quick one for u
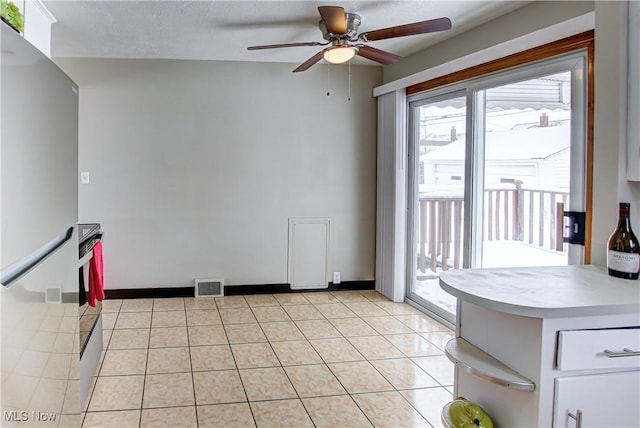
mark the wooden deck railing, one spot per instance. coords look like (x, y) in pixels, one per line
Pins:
(515, 213)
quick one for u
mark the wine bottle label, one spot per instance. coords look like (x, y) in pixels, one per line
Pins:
(623, 262)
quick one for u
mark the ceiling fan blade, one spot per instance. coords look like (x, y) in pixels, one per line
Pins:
(285, 45)
(334, 19)
(378, 55)
(423, 27)
(308, 63)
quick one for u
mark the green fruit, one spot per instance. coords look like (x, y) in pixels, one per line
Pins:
(465, 414)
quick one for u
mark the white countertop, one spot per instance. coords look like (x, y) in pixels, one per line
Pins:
(545, 292)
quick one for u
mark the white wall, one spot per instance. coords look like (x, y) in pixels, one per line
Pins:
(197, 166)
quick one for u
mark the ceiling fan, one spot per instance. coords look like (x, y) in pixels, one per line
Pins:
(340, 30)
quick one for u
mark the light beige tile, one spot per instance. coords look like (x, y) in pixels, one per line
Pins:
(366, 309)
(65, 342)
(360, 376)
(296, 352)
(70, 420)
(375, 347)
(204, 303)
(218, 387)
(236, 415)
(387, 325)
(108, 321)
(117, 393)
(115, 419)
(261, 300)
(267, 384)
(429, 402)
(207, 358)
(237, 316)
(291, 299)
(231, 302)
(168, 304)
(252, 355)
(133, 320)
(336, 411)
(168, 319)
(165, 390)
(317, 329)
(168, 360)
(335, 310)
(349, 296)
(281, 330)
(124, 362)
(303, 312)
(413, 345)
(404, 374)
(280, 413)
(270, 314)
(398, 308)
(244, 333)
(439, 338)
(106, 337)
(373, 296)
(336, 350)
(389, 409)
(184, 417)
(168, 337)
(353, 327)
(201, 317)
(136, 305)
(320, 297)
(133, 338)
(314, 380)
(111, 305)
(207, 335)
(421, 323)
(438, 367)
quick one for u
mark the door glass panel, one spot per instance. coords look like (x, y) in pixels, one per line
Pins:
(437, 189)
(527, 140)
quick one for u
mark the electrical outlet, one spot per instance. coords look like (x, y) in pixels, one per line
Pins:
(85, 178)
(336, 277)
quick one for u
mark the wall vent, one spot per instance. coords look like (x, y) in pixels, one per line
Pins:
(209, 287)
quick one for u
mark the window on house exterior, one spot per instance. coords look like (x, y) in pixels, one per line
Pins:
(499, 188)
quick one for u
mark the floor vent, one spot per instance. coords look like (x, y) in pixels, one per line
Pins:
(209, 287)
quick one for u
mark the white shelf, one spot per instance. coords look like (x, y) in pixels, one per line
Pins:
(478, 363)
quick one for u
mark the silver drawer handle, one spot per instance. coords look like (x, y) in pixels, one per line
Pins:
(577, 417)
(626, 352)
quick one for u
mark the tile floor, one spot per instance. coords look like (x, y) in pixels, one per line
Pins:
(324, 359)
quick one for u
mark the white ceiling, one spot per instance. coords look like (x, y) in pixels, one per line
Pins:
(222, 30)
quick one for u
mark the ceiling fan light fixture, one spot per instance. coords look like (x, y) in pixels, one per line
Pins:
(339, 54)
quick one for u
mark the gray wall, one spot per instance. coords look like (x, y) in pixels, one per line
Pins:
(197, 166)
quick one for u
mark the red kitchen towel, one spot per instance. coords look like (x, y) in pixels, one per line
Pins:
(96, 277)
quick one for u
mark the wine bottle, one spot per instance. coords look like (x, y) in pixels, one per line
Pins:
(623, 257)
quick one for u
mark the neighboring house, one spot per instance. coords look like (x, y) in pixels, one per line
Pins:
(539, 157)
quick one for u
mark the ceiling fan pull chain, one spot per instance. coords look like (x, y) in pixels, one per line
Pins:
(328, 78)
(349, 96)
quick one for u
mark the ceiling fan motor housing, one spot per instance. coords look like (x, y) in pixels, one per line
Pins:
(353, 21)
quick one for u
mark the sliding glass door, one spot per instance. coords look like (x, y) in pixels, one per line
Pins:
(494, 164)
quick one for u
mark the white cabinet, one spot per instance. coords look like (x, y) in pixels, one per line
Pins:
(601, 400)
(531, 342)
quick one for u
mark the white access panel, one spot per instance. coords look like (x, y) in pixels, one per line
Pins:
(308, 253)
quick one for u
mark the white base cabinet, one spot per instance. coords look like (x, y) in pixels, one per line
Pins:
(535, 346)
(601, 400)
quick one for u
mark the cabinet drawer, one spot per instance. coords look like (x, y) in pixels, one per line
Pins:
(585, 349)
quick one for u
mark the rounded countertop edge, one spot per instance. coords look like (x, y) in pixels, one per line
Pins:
(537, 310)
